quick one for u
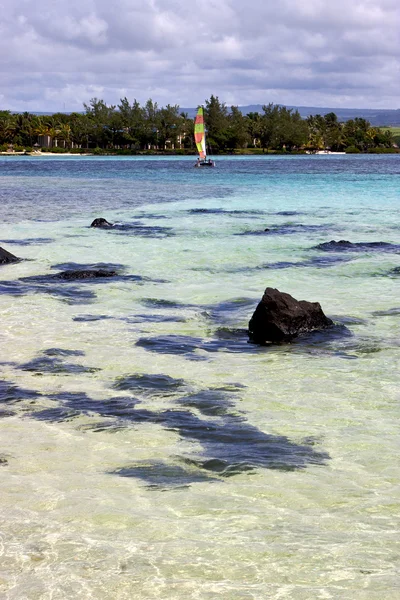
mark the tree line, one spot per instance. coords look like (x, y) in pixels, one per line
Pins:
(135, 127)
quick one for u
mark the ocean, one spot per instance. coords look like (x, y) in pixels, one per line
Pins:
(147, 450)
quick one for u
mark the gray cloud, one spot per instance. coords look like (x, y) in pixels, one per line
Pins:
(56, 54)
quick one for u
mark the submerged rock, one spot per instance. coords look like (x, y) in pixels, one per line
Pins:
(6, 257)
(279, 317)
(334, 246)
(84, 274)
(101, 223)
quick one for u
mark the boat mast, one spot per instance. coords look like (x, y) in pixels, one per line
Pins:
(205, 145)
(199, 133)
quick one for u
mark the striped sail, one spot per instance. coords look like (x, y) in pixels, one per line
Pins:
(199, 133)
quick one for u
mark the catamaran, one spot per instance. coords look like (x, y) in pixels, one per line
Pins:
(200, 139)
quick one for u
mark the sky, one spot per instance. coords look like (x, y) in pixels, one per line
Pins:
(56, 55)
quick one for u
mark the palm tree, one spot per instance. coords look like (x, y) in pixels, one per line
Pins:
(64, 134)
(7, 127)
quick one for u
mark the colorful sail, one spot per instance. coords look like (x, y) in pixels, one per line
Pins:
(199, 133)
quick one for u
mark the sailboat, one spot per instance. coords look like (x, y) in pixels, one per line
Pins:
(200, 139)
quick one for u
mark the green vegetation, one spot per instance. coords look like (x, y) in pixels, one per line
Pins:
(132, 128)
(395, 132)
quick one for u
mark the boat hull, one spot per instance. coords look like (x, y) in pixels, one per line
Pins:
(204, 164)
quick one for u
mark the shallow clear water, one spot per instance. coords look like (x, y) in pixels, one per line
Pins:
(148, 451)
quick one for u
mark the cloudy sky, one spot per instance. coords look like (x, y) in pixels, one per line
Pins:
(57, 54)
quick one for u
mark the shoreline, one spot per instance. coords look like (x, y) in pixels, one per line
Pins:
(38, 154)
(250, 152)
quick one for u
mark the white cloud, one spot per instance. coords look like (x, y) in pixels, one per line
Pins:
(311, 52)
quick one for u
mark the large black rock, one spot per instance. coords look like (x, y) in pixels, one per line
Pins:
(6, 257)
(279, 317)
(101, 223)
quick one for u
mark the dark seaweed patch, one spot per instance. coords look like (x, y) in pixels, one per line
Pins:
(337, 341)
(108, 426)
(289, 228)
(231, 387)
(184, 345)
(230, 446)
(320, 262)
(162, 475)
(289, 213)
(11, 393)
(206, 211)
(56, 366)
(29, 241)
(94, 271)
(316, 261)
(90, 318)
(161, 303)
(321, 336)
(68, 293)
(150, 384)
(221, 211)
(254, 232)
(237, 446)
(63, 284)
(155, 319)
(278, 265)
(138, 229)
(229, 340)
(57, 414)
(390, 312)
(230, 310)
(325, 261)
(121, 409)
(63, 352)
(211, 403)
(223, 339)
(151, 216)
(72, 266)
(286, 229)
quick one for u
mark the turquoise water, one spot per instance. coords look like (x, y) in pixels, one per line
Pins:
(148, 451)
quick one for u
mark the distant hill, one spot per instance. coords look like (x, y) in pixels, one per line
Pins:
(376, 116)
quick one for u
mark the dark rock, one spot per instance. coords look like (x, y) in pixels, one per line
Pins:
(279, 317)
(333, 245)
(6, 257)
(84, 274)
(345, 245)
(101, 223)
